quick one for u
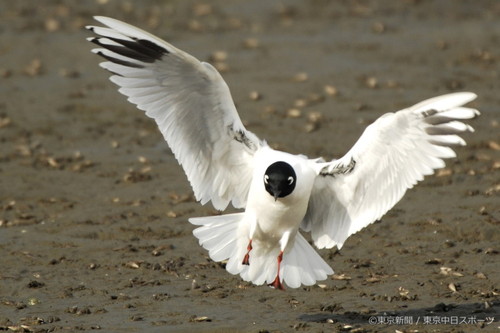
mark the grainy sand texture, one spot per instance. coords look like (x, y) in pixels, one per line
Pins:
(93, 206)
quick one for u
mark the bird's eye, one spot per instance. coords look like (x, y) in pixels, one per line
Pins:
(290, 180)
(266, 179)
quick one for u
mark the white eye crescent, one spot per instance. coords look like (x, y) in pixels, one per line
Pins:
(290, 180)
(266, 179)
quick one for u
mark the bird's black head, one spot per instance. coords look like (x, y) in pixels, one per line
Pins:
(280, 179)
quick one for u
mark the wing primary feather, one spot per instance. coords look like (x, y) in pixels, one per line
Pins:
(132, 49)
(453, 127)
(119, 61)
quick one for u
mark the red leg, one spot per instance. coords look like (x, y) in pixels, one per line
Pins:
(276, 284)
(246, 259)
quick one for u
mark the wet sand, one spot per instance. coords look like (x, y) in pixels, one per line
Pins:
(94, 207)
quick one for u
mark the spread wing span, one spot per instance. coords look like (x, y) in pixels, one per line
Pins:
(391, 156)
(191, 104)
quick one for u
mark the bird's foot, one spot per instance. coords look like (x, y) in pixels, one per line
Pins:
(246, 259)
(276, 284)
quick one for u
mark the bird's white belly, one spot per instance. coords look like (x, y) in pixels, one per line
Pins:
(276, 217)
(272, 219)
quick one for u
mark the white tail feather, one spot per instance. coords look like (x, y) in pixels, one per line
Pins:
(226, 238)
(303, 265)
(218, 234)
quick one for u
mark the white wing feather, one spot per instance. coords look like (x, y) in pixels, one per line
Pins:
(391, 156)
(191, 104)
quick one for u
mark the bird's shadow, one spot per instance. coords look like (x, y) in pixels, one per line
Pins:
(469, 312)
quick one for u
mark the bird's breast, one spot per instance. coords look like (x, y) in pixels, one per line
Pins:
(277, 216)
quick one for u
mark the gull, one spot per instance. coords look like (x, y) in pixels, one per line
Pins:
(280, 193)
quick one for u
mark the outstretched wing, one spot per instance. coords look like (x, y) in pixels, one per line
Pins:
(191, 104)
(391, 156)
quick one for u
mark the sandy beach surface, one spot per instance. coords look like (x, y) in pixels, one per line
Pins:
(93, 206)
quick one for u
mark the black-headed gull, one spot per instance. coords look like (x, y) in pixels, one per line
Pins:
(280, 193)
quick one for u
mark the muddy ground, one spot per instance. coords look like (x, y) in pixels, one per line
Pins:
(94, 208)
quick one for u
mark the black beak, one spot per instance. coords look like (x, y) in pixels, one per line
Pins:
(276, 194)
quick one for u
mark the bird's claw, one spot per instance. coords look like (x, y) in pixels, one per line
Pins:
(276, 284)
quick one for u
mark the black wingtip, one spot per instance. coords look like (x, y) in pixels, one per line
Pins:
(119, 61)
(94, 40)
(138, 49)
(143, 50)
